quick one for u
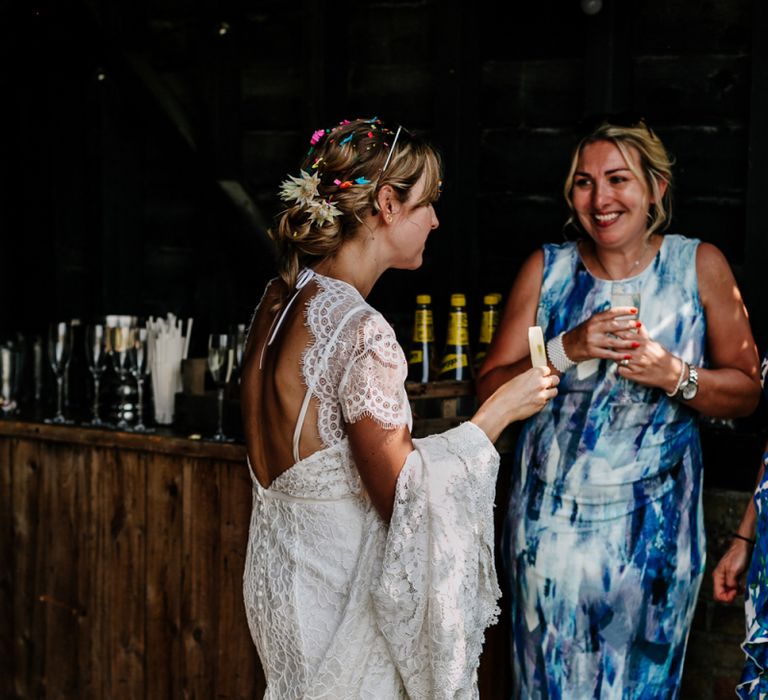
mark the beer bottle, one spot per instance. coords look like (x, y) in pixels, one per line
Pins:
(488, 325)
(422, 356)
(455, 364)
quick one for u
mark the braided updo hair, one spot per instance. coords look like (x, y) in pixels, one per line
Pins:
(348, 161)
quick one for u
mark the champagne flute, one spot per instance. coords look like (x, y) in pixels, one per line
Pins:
(96, 355)
(59, 354)
(119, 338)
(138, 366)
(240, 336)
(221, 360)
(625, 294)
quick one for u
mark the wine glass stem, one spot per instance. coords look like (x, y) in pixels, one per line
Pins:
(140, 399)
(221, 411)
(96, 398)
(59, 397)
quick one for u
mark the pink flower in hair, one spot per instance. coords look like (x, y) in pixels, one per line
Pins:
(316, 136)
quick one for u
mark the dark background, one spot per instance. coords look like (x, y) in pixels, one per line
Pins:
(142, 141)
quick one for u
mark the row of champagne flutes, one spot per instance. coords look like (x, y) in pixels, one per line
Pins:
(125, 347)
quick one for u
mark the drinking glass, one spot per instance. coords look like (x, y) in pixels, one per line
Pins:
(138, 366)
(221, 360)
(240, 335)
(59, 354)
(96, 355)
(625, 294)
(119, 338)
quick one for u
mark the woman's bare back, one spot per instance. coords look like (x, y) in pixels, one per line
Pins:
(272, 395)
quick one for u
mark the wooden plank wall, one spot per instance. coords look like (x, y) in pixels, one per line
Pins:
(148, 106)
(122, 574)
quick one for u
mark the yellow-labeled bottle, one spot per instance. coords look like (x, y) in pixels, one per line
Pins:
(421, 359)
(455, 363)
(488, 325)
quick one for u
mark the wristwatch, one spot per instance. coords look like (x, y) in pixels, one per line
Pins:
(690, 387)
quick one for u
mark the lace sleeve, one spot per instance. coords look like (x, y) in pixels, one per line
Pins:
(373, 383)
(437, 592)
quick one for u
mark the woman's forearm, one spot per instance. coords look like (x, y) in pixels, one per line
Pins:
(725, 393)
(489, 381)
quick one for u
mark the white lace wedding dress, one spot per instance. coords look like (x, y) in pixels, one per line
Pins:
(340, 605)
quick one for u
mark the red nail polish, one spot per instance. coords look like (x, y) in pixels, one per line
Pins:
(635, 345)
(633, 310)
(627, 357)
(639, 324)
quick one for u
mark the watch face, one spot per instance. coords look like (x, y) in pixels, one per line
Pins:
(689, 391)
(691, 386)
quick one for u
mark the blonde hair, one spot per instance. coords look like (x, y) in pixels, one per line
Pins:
(349, 160)
(655, 168)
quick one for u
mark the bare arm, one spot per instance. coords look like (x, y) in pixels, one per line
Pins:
(730, 386)
(508, 355)
(727, 575)
(379, 456)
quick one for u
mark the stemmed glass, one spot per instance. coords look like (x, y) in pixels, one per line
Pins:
(59, 354)
(625, 294)
(221, 360)
(119, 339)
(96, 355)
(240, 334)
(138, 365)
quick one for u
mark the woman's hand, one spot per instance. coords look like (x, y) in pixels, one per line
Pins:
(602, 335)
(518, 398)
(649, 363)
(729, 571)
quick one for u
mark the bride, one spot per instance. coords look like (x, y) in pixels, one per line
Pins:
(369, 571)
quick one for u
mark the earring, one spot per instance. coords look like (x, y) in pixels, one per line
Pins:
(389, 218)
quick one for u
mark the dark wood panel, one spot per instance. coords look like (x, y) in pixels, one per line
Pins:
(59, 566)
(200, 539)
(125, 573)
(532, 92)
(6, 573)
(691, 89)
(164, 578)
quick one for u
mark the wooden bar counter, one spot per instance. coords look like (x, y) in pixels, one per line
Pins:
(121, 561)
(122, 566)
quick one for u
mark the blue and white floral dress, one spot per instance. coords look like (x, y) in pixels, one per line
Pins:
(604, 539)
(754, 677)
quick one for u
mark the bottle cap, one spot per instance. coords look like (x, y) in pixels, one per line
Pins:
(494, 298)
(423, 299)
(458, 300)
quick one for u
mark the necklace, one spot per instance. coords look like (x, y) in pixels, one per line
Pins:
(632, 267)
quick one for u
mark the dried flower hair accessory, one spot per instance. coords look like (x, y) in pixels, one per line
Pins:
(301, 190)
(322, 212)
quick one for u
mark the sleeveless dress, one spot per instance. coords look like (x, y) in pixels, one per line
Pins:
(754, 677)
(604, 540)
(339, 605)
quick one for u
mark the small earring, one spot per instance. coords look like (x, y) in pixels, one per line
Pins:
(389, 218)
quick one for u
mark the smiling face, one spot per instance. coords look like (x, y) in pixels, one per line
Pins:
(610, 200)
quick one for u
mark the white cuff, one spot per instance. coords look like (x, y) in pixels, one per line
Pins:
(557, 355)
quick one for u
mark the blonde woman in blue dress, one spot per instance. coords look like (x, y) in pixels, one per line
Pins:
(369, 571)
(604, 539)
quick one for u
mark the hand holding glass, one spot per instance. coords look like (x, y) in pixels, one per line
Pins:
(624, 294)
